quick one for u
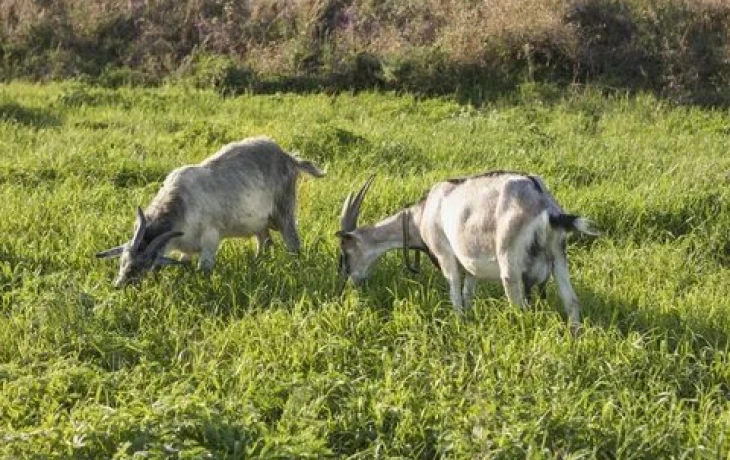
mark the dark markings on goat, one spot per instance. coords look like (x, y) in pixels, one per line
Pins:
(536, 183)
(564, 221)
(534, 249)
(528, 283)
(533, 252)
(162, 216)
(496, 172)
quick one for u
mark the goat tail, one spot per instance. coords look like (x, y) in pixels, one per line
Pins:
(309, 168)
(571, 222)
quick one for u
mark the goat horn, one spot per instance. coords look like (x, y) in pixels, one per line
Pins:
(139, 231)
(345, 212)
(353, 211)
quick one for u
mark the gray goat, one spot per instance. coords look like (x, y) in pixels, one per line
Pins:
(244, 189)
(497, 226)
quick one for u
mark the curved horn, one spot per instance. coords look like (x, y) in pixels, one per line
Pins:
(344, 213)
(139, 230)
(351, 207)
(160, 241)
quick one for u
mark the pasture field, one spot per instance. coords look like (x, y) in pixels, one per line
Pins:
(264, 359)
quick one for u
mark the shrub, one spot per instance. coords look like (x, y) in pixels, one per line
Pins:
(679, 48)
(221, 73)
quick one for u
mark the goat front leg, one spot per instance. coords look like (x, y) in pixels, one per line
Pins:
(511, 274)
(470, 284)
(453, 273)
(208, 248)
(511, 254)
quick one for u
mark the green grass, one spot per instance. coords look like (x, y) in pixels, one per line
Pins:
(264, 359)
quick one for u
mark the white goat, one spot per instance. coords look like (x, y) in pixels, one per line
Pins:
(244, 189)
(498, 226)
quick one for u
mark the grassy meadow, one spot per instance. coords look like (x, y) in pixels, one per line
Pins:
(264, 359)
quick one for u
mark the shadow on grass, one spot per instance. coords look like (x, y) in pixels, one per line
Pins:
(19, 263)
(463, 85)
(26, 116)
(393, 283)
(472, 85)
(273, 288)
(29, 178)
(136, 176)
(242, 282)
(611, 312)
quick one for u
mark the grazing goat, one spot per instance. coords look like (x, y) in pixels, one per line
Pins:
(244, 189)
(498, 226)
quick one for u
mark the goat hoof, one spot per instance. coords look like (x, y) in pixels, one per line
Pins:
(576, 329)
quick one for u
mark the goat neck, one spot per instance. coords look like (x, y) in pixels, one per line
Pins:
(387, 234)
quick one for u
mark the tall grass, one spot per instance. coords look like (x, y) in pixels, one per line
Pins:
(677, 48)
(265, 359)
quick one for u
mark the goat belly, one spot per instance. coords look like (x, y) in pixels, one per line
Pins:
(184, 245)
(481, 267)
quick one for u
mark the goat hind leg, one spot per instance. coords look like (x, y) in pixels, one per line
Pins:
(284, 219)
(566, 292)
(209, 247)
(263, 242)
(290, 235)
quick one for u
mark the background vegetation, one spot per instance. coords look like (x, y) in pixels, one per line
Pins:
(264, 359)
(677, 48)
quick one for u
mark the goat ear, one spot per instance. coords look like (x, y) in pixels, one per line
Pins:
(113, 252)
(347, 237)
(140, 227)
(343, 235)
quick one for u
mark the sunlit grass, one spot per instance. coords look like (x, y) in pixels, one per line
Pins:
(264, 358)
